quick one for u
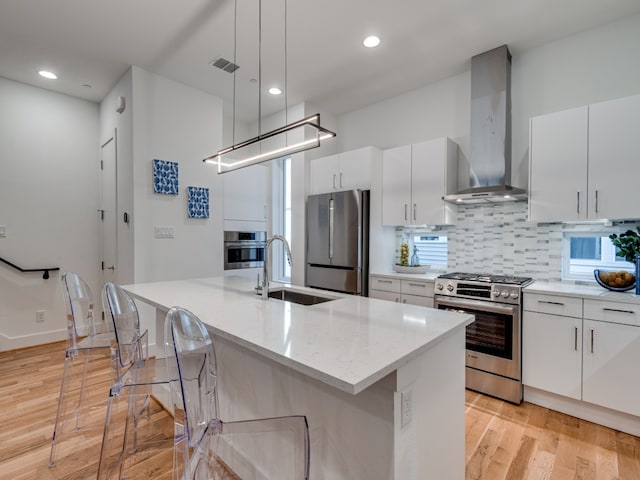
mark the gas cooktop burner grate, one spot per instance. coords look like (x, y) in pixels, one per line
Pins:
(487, 278)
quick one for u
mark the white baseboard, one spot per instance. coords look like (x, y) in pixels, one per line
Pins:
(23, 341)
(587, 411)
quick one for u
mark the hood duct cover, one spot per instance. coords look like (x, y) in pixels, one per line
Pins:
(490, 163)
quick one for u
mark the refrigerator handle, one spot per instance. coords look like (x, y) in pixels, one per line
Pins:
(331, 228)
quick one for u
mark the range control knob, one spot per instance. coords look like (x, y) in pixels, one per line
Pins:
(450, 288)
(439, 286)
(496, 293)
(505, 293)
(514, 295)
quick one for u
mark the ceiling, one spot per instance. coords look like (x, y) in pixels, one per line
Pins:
(91, 43)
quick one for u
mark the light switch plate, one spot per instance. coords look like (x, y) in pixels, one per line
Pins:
(164, 231)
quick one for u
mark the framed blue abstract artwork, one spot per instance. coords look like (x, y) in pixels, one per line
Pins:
(198, 202)
(165, 177)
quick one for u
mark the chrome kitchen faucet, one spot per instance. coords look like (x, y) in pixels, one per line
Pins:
(264, 289)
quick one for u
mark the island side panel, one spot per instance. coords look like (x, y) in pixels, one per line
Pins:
(352, 436)
(431, 444)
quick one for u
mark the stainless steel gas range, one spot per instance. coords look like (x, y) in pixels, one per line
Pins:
(493, 341)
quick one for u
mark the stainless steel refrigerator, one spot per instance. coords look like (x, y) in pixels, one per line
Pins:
(338, 241)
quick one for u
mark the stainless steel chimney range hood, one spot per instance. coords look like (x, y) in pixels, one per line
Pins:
(490, 162)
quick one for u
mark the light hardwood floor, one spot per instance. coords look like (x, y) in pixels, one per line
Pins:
(503, 441)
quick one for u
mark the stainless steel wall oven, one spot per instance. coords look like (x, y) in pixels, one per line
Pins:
(244, 249)
(494, 339)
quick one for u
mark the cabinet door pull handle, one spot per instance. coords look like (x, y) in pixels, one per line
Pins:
(575, 338)
(404, 300)
(551, 303)
(578, 203)
(592, 340)
(397, 300)
(384, 281)
(421, 285)
(631, 312)
(334, 181)
(596, 201)
(415, 211)
(405, 211)
(341, 180)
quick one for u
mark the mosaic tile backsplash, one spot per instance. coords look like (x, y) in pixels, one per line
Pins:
(497, 238)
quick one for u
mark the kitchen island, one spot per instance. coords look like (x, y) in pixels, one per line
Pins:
(381, 384)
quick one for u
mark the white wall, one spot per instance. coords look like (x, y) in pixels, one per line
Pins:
(178, 123)
(596, 65)
(120, 125)
(48, 201)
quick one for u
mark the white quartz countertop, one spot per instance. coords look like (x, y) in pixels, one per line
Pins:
(349, 343)
(594, 291)
(428, 276)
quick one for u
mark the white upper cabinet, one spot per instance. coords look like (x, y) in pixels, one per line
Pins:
(414, 180)
(558, 166)
(614, 158)
(584, 162)
(342, 171)
(245, 194)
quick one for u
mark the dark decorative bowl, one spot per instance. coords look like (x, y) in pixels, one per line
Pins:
(620, 288)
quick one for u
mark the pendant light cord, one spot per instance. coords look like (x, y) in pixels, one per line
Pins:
(260, 67)
(235, 61)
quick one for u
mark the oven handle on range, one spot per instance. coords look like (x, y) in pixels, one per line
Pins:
(478, 305)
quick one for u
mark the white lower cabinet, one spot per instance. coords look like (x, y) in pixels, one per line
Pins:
(552, 353)
(413, 292)
(611, 355)
(590, 359)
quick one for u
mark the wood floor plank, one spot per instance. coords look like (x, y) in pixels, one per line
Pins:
(503, 441)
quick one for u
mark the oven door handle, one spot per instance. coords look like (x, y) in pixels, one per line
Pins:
(478, 305)
(244, 244)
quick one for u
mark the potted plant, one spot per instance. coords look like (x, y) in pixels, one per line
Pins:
(628, 244)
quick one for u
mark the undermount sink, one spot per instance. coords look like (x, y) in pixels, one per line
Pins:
(300, 298)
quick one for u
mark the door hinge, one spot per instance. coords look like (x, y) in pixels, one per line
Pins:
(102, 265)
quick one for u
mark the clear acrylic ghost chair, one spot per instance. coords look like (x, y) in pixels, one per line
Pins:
(129, 429)
(206, 447)
(86, 338)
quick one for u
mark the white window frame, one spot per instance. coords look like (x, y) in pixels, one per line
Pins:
(583, 269)
(278, 258)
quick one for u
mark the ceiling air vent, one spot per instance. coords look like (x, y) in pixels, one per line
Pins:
(224, 64)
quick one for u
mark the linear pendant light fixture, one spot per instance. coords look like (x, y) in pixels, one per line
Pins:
(291, 138)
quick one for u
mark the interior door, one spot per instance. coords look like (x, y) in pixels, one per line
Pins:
(108, 210)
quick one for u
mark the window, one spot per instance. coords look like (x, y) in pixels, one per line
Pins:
(583, 252)
(281, 218)
(432, 250)
(286, 213)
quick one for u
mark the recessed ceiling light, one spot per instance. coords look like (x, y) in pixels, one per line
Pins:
(47, 74)
(371, 41)
(275, 91)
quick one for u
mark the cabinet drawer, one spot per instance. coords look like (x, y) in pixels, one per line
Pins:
(554, 305)
(416, 287)
(383, 295)
(384, 283)
(613, 312)
(417, 300)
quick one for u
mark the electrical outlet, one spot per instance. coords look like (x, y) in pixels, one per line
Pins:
(406, 409)
(39, 316)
